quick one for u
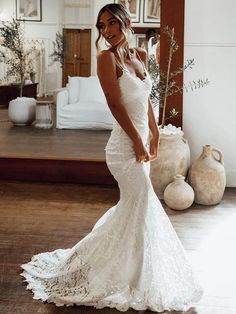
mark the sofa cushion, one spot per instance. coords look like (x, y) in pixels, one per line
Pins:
(85, 115)
(91, 90)
(91, 105)
(73, 89)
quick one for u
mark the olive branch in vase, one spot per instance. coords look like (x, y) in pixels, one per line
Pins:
(167, 84)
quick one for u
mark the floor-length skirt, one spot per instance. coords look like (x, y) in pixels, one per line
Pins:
(132, 258)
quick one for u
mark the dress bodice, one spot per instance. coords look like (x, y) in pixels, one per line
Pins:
(134, 97)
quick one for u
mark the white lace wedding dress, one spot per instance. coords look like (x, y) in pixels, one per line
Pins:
(132, 258)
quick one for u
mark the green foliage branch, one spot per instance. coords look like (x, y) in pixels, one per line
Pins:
(164, 82)
(58, 49)
(13, 51)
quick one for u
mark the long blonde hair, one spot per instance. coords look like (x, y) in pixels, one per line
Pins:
(124, 19)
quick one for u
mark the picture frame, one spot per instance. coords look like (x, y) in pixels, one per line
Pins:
(151, 11)
(29, 10)
(141, 41)
(133, 7)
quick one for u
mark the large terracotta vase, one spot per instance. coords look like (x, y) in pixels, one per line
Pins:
(173, 158)
(207, 176)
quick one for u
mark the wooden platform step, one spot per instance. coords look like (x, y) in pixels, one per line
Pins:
(51, 170)
(53, 155)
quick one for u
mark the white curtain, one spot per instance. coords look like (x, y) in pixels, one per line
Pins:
(38, 57)
(39, 67)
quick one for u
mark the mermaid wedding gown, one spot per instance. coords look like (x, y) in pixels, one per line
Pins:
(132, 257)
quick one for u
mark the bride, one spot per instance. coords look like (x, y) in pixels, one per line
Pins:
(132, 258)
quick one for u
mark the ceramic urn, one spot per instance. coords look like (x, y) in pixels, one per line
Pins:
(207, 176)
(173, 158)
(178, 195)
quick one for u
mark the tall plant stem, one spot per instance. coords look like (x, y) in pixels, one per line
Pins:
(21, 85)
(21, 89)
(167, 77)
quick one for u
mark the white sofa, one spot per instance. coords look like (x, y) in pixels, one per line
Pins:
(82, 105)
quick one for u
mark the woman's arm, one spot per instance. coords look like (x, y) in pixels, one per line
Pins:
(151, 117)
(155, 139)
(158, 53)
(106, 70)
(152, 121)
(154, 142)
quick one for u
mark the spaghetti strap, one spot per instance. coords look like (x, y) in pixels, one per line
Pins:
(120, 66)
(143, 64)
(124, 68)
(137, 54)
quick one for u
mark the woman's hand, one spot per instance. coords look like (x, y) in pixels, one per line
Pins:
(154, 144)
(140, 152)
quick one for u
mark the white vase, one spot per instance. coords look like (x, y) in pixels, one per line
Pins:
(179, 195)
(21, 111)
(173, 158)
(207, 176)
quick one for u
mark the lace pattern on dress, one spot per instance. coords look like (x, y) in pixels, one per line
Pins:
(132, 258)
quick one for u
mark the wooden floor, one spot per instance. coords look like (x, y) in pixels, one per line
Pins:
(57, 144)
(28, 153)
(38, 217)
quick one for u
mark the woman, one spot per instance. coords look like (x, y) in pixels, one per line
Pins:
(132, 257)
(153, 44)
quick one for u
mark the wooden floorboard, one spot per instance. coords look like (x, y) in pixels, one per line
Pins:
(39, 217)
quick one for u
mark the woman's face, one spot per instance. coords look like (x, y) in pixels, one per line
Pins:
(109, 28)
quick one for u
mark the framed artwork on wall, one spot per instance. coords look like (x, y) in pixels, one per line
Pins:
(151, 11)
(141, 41)
(29, 10)
(133, 7)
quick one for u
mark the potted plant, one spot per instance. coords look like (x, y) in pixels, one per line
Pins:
(174, 153)
(17, 58)
(57, 54)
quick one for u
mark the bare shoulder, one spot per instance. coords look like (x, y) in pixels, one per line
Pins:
(106, 65)
(142, 53)
(105, 56)
(106, 71)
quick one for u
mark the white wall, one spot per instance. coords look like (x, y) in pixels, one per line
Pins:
(52, 19)
(210, 113)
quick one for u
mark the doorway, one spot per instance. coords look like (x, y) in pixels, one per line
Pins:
(77, 59)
